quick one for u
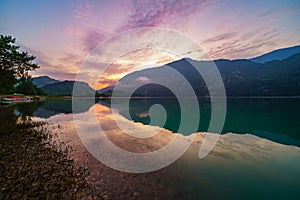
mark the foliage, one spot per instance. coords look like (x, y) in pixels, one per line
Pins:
(26, 87)
(7, 81)
(39, 91)
(14, 64)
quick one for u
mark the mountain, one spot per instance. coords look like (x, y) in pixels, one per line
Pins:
(66, 88)
(43, 80)
(62, 88)
(241, 78)
(107, 91)
(279, 54)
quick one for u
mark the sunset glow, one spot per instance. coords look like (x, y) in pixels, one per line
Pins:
(61, 34)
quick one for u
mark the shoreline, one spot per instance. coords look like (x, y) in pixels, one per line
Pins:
(34, 165)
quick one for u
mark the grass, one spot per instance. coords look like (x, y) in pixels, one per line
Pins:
(32, 165)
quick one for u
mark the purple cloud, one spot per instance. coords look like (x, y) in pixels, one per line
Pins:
(62, 75)
(92, 38)
(247, 45)
(82, 10)
(152, 13)
(220, 37)
(143, 79)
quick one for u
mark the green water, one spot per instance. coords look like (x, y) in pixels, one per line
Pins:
(276, 119)
(260, 159)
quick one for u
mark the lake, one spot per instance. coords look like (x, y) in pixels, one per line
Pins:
(256, 157)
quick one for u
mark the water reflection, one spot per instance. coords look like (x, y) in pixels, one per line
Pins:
(273, 119)
(49, 108)
(241, 166)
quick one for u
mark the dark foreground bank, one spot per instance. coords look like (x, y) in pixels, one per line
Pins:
(33, 166)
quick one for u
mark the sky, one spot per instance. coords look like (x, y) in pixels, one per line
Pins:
(63, 34)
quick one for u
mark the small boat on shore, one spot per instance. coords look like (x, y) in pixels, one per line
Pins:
(40, 99)
(9, 100)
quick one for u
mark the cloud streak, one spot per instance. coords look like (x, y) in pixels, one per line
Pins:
(221, 37)
(92, 38)
(246, 45)
(83, 10)
(227, 30)
(151, 13)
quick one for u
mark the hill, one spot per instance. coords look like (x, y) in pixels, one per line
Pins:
(65, 88)
(279, 54)
(43, 80)
(107, 91)
(241, 78)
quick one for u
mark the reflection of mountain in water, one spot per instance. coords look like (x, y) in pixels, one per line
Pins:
(278, 138)
(52, 107)
(276, 119)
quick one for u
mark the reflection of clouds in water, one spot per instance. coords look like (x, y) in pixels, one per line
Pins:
(248, 147)
(61, 117)
(142, 115)
(108, 122)
(127, 153)
(119, 137)
(230, 146)
(241, 161)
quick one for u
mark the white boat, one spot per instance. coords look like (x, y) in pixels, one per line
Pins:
(17, 99)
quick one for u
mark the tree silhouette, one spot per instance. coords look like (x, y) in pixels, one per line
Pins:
(14, 64)
(26, 87)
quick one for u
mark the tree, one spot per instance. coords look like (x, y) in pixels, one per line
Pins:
(14, 64)
(26, 87)
(39, 91)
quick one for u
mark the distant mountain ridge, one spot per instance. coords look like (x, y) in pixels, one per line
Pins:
(107, 91)
(273, 73)
(241, 78)
(276, 73)
(43, 80)
(279, 54)
(62, 88)
(65, 88)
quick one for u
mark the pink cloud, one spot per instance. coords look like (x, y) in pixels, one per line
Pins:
(92, 38)
(143, 79)
(220, 37)
(153, 13)
(83, 10)
(246, 45)
(72, 31)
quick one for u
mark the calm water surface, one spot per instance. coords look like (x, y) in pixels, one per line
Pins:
(257, 156)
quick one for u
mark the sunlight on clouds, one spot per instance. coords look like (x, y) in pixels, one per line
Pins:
(224, 29)
(136, 60)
